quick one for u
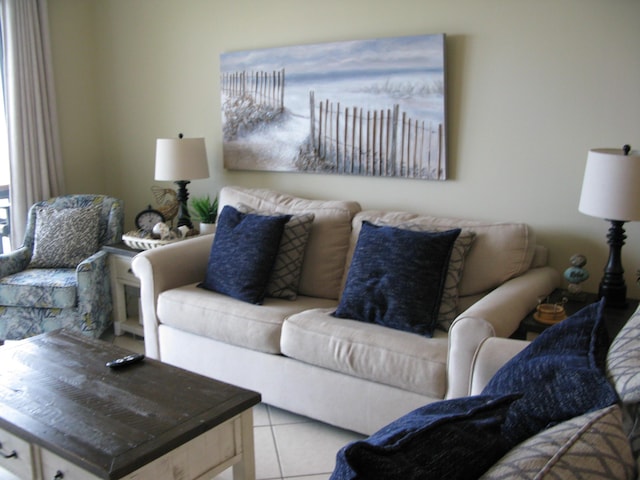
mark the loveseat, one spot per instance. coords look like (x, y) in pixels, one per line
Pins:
(565, 406)
(291, 347)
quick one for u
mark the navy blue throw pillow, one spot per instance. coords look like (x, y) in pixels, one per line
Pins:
(396, 278)
(452, 439)
(243, 253)
(560, 374)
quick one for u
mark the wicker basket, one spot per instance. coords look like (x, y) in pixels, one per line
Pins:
(139, 243)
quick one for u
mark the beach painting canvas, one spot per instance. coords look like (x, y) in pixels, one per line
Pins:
(364, 107)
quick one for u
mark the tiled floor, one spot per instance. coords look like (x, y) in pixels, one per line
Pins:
(287, 446)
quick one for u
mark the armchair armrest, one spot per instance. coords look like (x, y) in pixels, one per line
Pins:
(492, 354)
(164, 268)
(14, 262)
(497, 314)
(91, 273)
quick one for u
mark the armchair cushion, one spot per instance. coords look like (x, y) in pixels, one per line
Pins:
(40, 288)
(64, 237)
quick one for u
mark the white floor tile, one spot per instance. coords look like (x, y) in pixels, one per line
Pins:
(260, 415)
(267, 464)
(309, 448)
(6, 475)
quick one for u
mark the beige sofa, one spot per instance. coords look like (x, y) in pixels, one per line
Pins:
(356, 375)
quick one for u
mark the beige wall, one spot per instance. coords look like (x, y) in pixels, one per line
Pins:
(532, 85)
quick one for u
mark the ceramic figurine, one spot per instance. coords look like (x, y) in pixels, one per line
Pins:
(576, 274)
(162, 230)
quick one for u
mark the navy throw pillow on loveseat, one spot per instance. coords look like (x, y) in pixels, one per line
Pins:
(243, 254)
(453, 439)
(560, 375)
(396, 278)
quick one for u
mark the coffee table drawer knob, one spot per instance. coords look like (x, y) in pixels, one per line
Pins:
(13, 454)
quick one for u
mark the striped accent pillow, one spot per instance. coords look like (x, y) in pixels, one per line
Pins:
(285, 276)
(623, 370)
(591, 446)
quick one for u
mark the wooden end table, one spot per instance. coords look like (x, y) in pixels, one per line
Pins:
(65, 415)
(615, 318)
(121, 276)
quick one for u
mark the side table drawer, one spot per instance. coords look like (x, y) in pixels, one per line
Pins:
(16, 455)
(122, 267)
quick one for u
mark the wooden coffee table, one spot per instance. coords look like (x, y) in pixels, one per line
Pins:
(65, 415)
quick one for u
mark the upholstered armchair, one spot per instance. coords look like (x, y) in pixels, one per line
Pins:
(59, 277)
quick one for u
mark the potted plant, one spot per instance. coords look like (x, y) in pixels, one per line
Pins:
(205, 211)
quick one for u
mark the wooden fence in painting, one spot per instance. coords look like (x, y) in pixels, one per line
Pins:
(378, 142)
(265, 88)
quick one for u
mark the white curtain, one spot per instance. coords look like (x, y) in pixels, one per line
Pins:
(34, 145)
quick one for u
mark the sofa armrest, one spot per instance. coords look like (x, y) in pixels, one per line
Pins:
(497, 314)
(492, 354)
(164, 268)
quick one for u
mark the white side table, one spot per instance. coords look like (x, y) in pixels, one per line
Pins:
(121, 275)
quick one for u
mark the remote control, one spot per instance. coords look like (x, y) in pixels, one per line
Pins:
(124, 361)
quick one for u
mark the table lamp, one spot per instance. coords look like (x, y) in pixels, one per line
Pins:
(181, 160)
(611, 190)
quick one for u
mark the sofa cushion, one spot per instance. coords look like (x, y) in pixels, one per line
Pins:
(393, 357)
(285, 276)
(325, 255)
(65, 237)
(40, 288)
(396, 278)
(243, 254)
(499, 252)
(223, 318)
(591, 446)
(623, 367)
(560, 374)
(453, 440)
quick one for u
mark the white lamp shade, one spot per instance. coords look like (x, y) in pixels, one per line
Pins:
(611, 185)
(181, 159)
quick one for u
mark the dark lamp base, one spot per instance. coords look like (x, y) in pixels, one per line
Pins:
(184, 219)
(612, 286)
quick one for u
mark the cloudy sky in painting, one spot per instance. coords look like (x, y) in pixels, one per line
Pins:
(346, 58)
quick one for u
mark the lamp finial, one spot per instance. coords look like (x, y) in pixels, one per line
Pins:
(626, 149)
(181, 135)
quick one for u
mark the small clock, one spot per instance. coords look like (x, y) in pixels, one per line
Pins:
(146, 219)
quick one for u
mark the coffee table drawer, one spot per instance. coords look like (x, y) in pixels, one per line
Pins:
(209, 453)
(55, 467)
(16, 455)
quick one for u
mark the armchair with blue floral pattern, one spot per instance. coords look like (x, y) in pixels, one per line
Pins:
(35, 300)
